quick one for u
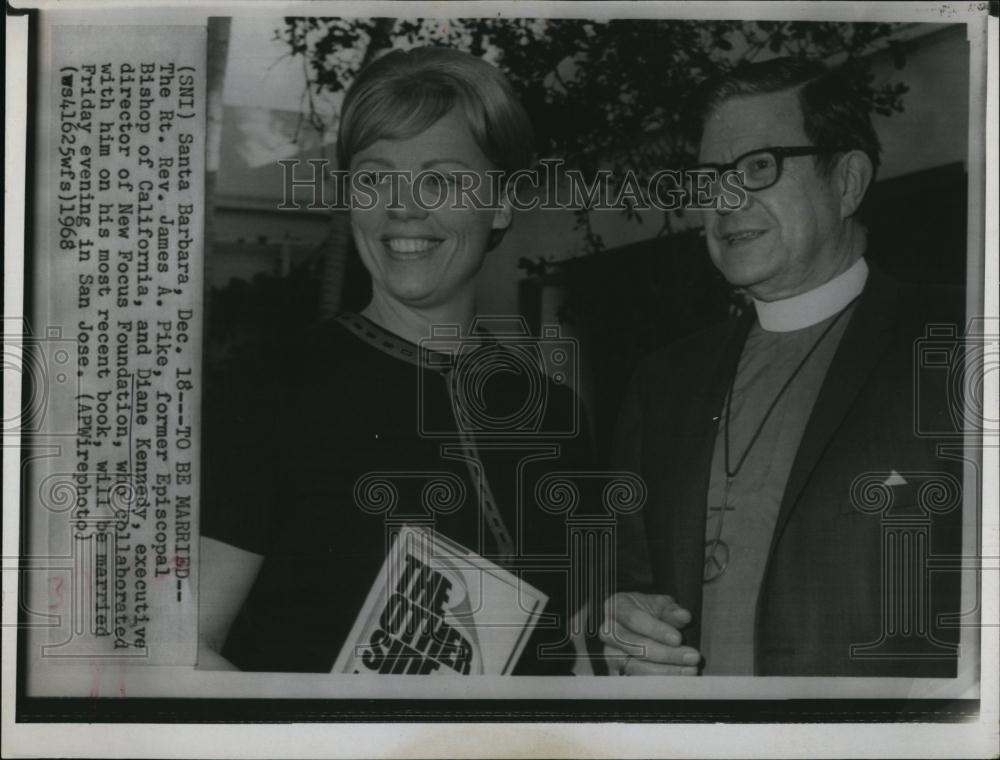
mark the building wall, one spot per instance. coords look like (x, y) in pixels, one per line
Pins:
(933, 129)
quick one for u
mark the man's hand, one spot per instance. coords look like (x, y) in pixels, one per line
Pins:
(642, 636)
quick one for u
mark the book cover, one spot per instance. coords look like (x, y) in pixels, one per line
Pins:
(438, 608)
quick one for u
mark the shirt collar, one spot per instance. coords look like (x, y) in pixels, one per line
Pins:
(814, 306)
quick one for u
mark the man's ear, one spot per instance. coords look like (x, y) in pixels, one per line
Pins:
(854, 174)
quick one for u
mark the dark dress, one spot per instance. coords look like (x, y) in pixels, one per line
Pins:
(289, 433)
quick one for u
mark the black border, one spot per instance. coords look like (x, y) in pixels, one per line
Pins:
(28, 299)
(141, 710)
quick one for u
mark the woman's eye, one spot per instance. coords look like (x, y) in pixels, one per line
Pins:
(372, 177)
(440, 183)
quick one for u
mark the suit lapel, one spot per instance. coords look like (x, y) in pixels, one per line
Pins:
(693, 460)
(863, 343)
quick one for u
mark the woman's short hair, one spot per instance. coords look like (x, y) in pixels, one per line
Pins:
(403, 93)
(834, 114)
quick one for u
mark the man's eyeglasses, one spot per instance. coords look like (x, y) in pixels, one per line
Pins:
(758, 169)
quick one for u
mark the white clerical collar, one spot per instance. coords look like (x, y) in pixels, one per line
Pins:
(815, 306)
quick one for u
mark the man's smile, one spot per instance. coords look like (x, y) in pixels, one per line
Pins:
(740, 237)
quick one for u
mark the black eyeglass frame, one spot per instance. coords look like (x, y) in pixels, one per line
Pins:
(780, 153)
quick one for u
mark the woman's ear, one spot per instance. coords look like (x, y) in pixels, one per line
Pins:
(854, 174)
(504, 215)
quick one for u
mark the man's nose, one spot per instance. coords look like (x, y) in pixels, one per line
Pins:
(723, 209)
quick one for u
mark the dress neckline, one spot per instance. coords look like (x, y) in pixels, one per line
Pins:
(389, 343)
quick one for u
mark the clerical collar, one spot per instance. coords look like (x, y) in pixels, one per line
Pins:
(815, 306)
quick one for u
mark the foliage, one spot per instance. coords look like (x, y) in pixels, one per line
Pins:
(600, 94)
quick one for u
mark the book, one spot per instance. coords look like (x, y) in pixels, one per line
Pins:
(438, 608)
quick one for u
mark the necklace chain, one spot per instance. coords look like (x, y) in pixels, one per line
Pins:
(717, 550)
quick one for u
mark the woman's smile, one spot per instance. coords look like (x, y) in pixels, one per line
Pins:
(409, 248)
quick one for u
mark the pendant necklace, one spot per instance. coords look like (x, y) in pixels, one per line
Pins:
(717, 553)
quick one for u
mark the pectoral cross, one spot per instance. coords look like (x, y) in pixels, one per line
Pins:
(717, 550)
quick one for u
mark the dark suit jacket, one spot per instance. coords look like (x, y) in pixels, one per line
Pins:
(829, 571)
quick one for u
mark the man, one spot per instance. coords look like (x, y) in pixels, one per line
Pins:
(760, 551)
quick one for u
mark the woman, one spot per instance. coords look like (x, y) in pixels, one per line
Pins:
(288, 551)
